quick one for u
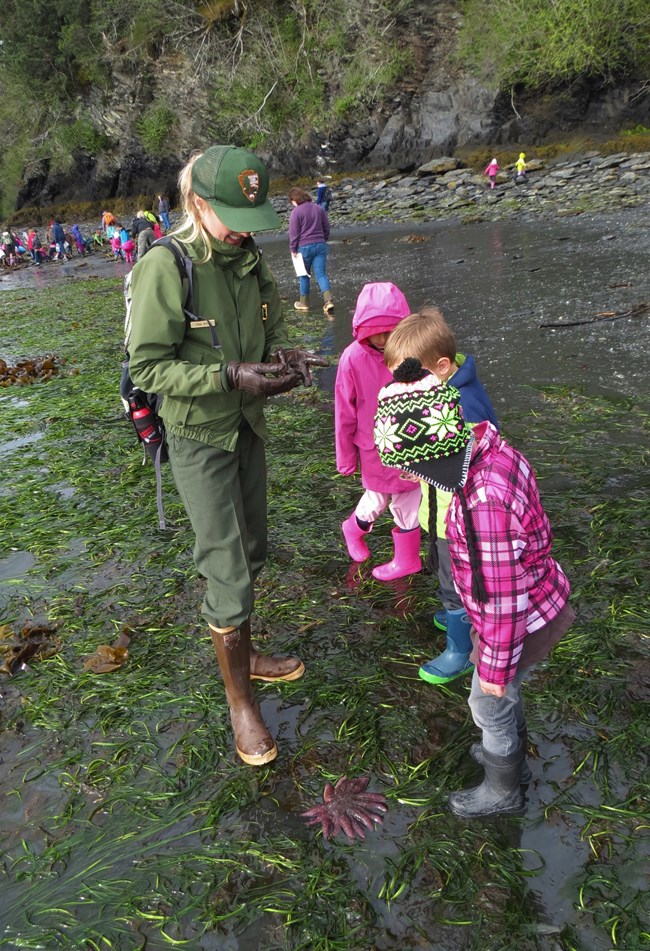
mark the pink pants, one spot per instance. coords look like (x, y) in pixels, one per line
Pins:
(404, 507)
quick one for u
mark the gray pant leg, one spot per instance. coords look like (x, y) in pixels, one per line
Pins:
(500, 718)
(447, 591)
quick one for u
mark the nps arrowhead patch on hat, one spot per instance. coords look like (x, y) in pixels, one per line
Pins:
(250, 183)
(235, 183)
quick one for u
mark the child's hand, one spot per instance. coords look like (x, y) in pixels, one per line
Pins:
(494, 690)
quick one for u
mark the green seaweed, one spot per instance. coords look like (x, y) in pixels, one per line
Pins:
(134, 825)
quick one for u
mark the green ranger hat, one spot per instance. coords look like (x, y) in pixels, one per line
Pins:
(235, 183)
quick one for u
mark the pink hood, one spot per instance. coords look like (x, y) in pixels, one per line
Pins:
(380, 307)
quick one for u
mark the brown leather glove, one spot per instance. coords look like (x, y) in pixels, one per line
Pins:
(299, 361)
(251, 378)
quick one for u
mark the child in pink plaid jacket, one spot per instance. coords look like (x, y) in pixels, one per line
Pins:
(515, 593)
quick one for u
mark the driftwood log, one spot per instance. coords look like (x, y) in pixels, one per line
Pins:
(637, 311)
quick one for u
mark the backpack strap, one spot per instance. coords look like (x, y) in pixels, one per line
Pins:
(162, 525)
(185, 269)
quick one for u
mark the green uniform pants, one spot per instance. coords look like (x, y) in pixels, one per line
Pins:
(224, 494)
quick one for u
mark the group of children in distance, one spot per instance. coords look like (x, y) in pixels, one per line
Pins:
(412, 415)
(493, 168)
(59, 243)
(123, 241)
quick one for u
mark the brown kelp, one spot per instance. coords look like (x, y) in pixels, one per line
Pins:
(28, 370)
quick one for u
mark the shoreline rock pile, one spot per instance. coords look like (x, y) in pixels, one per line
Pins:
(443, 189)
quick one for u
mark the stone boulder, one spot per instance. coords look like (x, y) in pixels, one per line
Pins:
(439, 166)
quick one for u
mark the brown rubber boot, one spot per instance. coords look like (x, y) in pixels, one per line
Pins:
(328, 307)
(303, 303)
(255, 745)
(274, 667)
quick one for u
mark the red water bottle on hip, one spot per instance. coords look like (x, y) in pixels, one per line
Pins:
(145, 422)
(145, 426)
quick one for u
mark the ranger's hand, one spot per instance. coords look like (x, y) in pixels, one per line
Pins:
(300, 361)
(252, 378)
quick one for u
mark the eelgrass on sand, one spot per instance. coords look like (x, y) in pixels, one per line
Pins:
(129, 822)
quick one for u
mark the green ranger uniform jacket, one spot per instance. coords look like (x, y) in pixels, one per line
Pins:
(176, 358)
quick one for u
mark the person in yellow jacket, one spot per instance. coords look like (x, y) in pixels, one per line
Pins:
(520, 165)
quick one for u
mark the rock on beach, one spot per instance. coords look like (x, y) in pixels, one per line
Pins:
(442, 188)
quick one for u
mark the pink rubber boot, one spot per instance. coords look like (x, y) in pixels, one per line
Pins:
(356, 543)
(406, 560)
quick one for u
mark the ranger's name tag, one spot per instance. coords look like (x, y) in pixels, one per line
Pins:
(202, 323)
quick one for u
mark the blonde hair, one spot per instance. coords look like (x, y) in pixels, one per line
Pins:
(191, 228)
(424, 335)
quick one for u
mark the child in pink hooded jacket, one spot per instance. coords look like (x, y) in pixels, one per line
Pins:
(491, 171)
(360, 376)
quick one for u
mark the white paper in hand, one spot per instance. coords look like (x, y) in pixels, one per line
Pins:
(299, 265)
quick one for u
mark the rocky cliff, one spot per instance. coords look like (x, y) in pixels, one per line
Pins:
(435, 108)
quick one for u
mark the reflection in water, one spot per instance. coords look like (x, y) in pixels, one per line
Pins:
(39, 277)
(495, 239)
(497, 282)
(13, 444)
(328, 340)
(95, 265)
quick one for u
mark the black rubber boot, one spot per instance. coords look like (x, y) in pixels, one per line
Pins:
(498, 794)
(476, 753)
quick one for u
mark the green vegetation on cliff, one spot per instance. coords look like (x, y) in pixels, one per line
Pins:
(263, 72)
(116, 78)
(544, 42)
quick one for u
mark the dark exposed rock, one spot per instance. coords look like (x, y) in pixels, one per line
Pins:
(559, 188)
(95, 180)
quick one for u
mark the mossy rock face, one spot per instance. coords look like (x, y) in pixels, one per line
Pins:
(312, 90)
